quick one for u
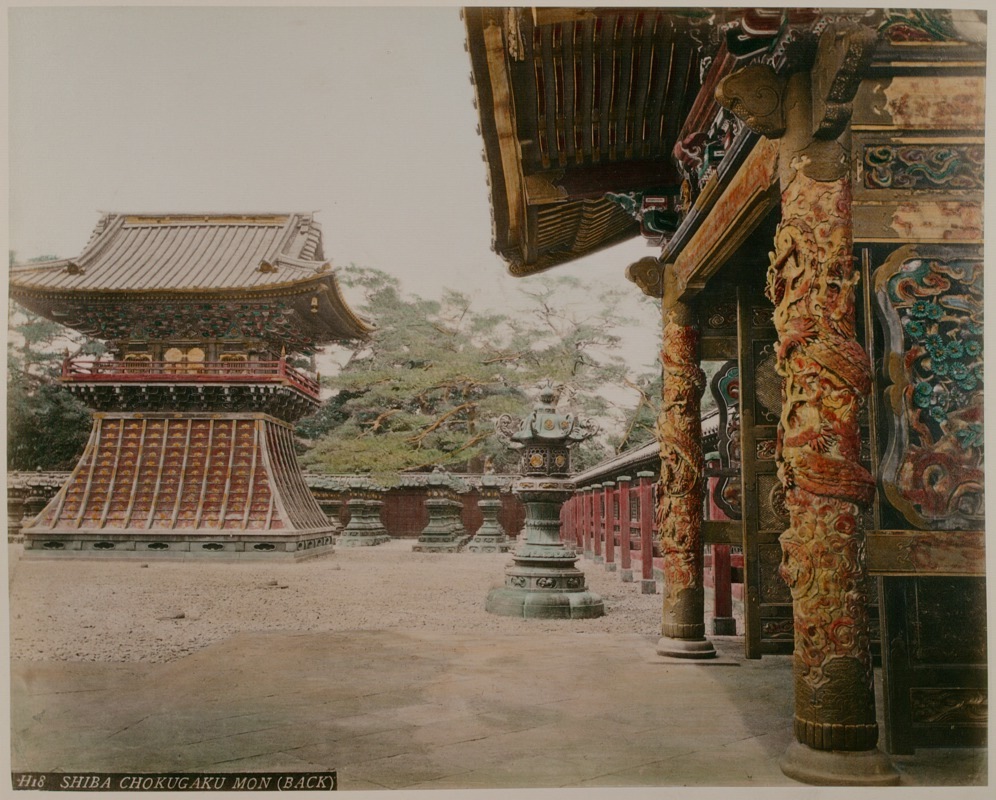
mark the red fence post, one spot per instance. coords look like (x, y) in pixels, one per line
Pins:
(648, 585)
(579, 521)
(576, 521)
(723, 622)
(573, 511)
(567, 534)
(586, 520)
(625, 557)
(597, 521)
(608, 514)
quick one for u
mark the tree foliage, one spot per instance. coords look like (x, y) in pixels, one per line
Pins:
(427, 387)
(46, 426)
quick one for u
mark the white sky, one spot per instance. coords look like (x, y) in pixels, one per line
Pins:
(363, 115)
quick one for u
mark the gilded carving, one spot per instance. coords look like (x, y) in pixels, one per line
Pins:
(679, 507)
(767, 385)
(648, 274)
(748, 197)
(725, 388)
(825, 375)
(777, 629)
(777, 500)
(754, 94)
(760, 316)
(925, 25)
(721, 315)
(765, 450)
(843, 53)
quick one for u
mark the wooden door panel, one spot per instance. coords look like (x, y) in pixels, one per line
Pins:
(767, 601)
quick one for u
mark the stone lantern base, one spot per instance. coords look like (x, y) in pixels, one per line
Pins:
(444, 533)
(488, 543)
(491, 536)
(542, 581)
(545, 603)
(365, 528)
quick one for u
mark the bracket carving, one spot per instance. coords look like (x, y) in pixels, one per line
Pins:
(648, 274)
(755, 94)
(843, 53)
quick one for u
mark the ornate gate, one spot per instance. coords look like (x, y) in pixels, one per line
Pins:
(767, 601)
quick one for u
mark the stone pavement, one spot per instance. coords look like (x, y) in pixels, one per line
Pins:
(428, 710)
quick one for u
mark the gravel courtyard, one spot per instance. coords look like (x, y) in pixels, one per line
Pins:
(114, 611)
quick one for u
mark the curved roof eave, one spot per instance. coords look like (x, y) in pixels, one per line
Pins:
(540, 163)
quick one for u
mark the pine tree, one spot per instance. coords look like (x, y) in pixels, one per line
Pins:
(426, 389)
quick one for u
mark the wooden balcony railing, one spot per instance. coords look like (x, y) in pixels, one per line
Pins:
(137, 371)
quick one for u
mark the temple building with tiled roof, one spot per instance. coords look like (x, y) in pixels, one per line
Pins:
(191, 452)
(261, 277)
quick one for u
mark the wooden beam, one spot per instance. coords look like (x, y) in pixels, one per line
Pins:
(745, 202)
(952, 553)
(593, 181)
(722, 532)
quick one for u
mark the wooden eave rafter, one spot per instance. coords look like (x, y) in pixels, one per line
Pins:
(575, 104)
(330, 321)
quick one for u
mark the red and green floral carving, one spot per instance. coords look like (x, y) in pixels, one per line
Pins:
(679, 507)
(932, 305)
(924, 166)
(826, 376)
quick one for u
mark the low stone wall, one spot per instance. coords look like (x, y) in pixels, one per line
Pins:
(404, 513)
(27, 494)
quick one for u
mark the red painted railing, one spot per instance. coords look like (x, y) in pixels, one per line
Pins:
(612, 522)
(92, 370)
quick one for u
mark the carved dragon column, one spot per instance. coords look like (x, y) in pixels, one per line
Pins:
(826, 376)
(679, 505)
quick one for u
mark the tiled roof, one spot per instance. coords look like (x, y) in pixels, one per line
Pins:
(132, 252)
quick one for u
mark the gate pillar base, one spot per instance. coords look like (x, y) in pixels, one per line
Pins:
(648, 586)
(838, 767)
(685, 648)
(724, 626)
